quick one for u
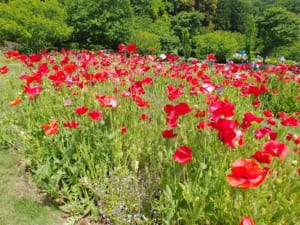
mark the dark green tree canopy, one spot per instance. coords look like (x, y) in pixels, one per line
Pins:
(99, 23)
(277, 27)
(192, 21)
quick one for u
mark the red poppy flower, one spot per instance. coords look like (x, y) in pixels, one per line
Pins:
(131, 48)
(121, 48)
(52, 128)
(173, 113)
(141, 102)
(281, 115)
(81, 110)
(12, 54)
(107, 101)
(3, 69)
(15, 102)
(256, 103)
(249, 118)
(290, 121)
(32, 91)
(174, 93)
(247, 221)
(35, 58)
(297, 141)
(211, 57)
(219, 108)
(262, 132)
(125, 94)
(262, 157)
(43, 68)
(95, 115)
(276, 149)
(172, 58)
(169, 134)
(69, 68)
(182, 155)
(145, 116)
(202, 125)
(268, 113)
(227, 132)
(246, 173)
(254, 90)
(207, 88)
(200, 113)
(289, 136)
(71, 124)
(272, 121)
(123, 129)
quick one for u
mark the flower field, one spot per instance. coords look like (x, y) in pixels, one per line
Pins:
(131, 139)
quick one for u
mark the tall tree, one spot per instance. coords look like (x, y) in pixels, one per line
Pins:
(222, 19)
(104, 23)
(250, 34)
(240, 10)
(277, 27)
(152, 8)
(186, 43)
(232, 14)
(176, 6)
(187, 20)
(208, 9)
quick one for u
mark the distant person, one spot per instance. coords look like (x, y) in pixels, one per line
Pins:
(282, 59)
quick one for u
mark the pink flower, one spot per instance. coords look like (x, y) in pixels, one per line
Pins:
(247, 221)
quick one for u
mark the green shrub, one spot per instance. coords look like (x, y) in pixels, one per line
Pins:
(33, 24)
(222, 43)
(290, 52)
(145, 41)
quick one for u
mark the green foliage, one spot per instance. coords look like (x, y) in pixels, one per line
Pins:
(233, 15)
(290, 52)
(222, 43)
(33, 24)
(284, 100)
(290, 5)
(104, 23)
(240, 11)
(169, 42)
(222, 19)
(208, 9)
(277, 27)
(250, 35)
(176, 6)
(151, 8)
(187, 20)
(186, 43)
(146, 42)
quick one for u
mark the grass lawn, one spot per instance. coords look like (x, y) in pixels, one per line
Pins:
(19, 203)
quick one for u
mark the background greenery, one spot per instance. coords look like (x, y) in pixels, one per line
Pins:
(270, 28)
